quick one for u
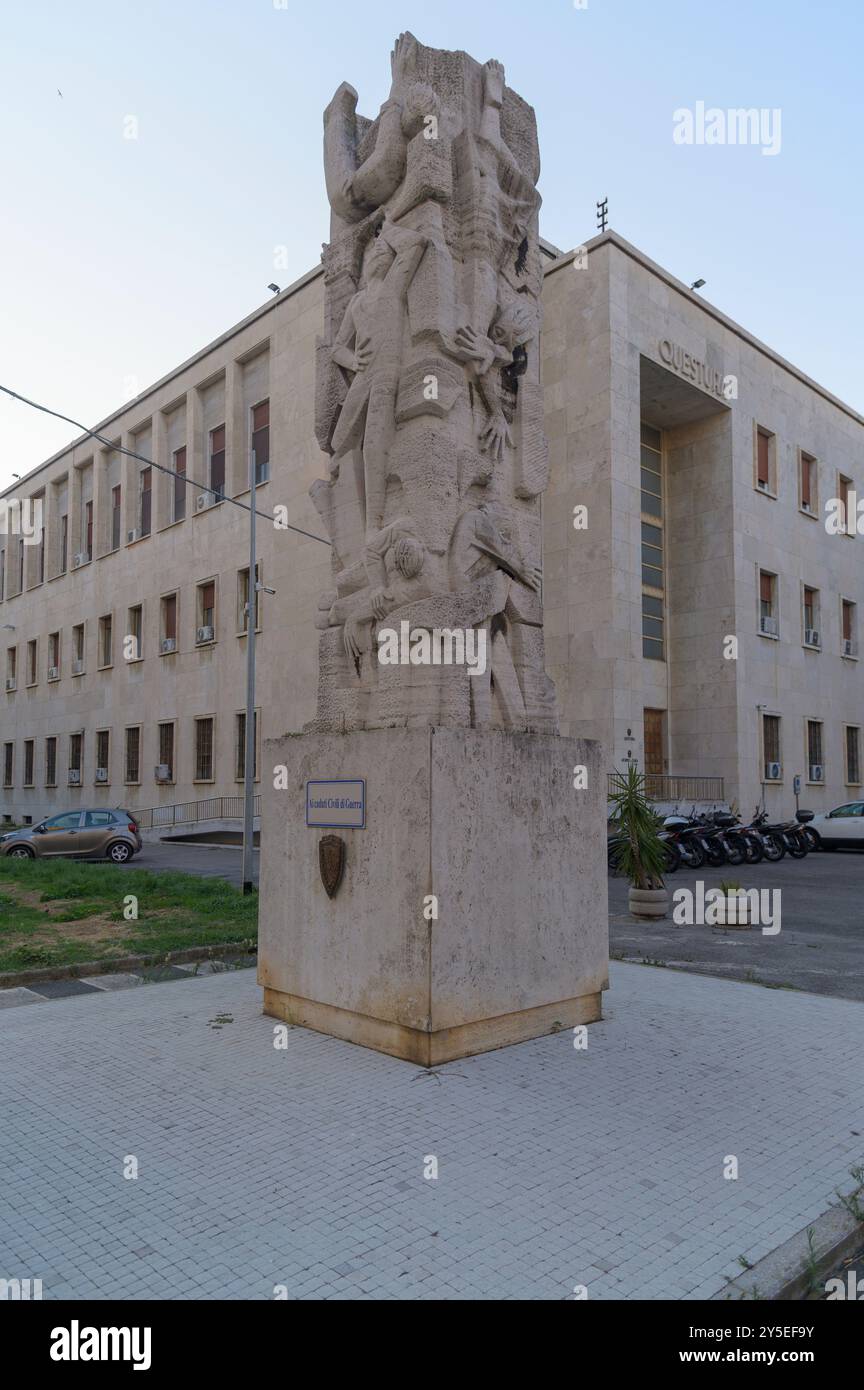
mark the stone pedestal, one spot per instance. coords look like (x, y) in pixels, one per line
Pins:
(472, 909)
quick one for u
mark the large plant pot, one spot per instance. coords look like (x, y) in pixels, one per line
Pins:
(648, 902)
(733, 914)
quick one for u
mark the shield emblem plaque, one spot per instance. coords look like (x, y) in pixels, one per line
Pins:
(331, 862)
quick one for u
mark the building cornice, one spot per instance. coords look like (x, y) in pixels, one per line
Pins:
(612, 239)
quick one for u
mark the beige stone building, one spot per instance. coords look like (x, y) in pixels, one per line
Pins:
(700, 617)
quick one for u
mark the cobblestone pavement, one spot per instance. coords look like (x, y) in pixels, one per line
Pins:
(304, 1166)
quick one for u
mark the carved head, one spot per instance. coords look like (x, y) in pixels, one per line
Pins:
(379, 258)
(513, 327)
(408, 556)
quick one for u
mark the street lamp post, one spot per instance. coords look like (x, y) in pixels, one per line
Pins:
(249, 753)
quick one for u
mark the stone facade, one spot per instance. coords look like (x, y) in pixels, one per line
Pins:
(601, 325)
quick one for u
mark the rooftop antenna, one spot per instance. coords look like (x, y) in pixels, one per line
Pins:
(602, 215)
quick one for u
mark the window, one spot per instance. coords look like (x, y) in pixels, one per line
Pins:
(21, 565)
(132, 646)
(115, 517)
(76, 753)
(8, 763)
(654, 742)
(132, 756)
(11, 668)
(240, 747)
(853, 755)
(765, 462)
(809, 484)
(50, 762)
(844, 487)
(106, 640)
(651, 462)
(78, 649)
(261, 440)
(168, 640)
(652, 556)
(816, 771)
(243, 599)
(180, 484)
(145, 500)
(849, 626)
(771, 747)
(810, 616)
(165, 770)
(204, 750)
(3, 573)
(768, 621)
(206, 626)
(103, 755)
(64, 543)
(88, 530)
(29, 759)
(32, 662)
(54, 656)
(217, 461)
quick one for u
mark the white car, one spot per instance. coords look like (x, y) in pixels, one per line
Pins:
(842, 828)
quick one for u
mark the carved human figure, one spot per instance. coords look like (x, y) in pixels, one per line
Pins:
(369, 346)
(394, 560)
(485, 355)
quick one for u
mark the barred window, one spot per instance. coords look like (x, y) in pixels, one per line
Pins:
(853, 755)
(50, 762)
(240, 749)
(166, 748)
(204, 750)
(133, 756)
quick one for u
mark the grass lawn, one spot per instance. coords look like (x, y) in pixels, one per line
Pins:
(59, 912)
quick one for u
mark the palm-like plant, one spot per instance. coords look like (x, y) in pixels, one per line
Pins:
(640, 853)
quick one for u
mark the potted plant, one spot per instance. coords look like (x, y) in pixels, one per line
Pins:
(640, 853)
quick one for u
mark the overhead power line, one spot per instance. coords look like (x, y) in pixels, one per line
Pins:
(151, 463)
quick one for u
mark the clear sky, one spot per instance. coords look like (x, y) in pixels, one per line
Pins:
(121, 257)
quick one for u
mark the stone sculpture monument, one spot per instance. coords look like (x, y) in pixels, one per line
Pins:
(463, 905)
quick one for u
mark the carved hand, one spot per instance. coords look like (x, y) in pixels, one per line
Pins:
(494, 82)
(362, 354)
(403, 59)
(380, 601)
(475, 347)
(495, 436)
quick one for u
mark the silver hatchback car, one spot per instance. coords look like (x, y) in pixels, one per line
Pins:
(102, 834)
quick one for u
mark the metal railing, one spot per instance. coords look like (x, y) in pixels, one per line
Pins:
(662, 787)
(191, 812)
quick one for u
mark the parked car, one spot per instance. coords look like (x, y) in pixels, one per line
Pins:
(97, 834)
(842, 828)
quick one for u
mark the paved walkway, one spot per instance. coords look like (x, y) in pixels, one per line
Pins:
(305, 1166)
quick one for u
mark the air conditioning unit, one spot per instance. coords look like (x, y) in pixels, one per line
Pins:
(769, 626)
(101, 774)
(817, 772)
(168, 644)
(163, 773)
(805, 507)
(74, 777)
(10, 682)
(53, 673)
(204, 634)
(134, 535)
(204, 500)
(773, 772)
(848, 646)
(762, 485)
(78, 667)
(811, 636)
(78, 559)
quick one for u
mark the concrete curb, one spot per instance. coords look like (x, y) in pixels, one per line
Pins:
(11, 979)
(785, 1275)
